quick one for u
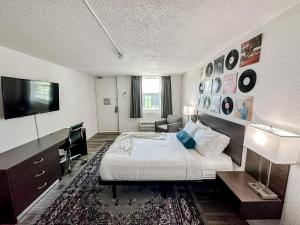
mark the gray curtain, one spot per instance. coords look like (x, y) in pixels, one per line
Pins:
(166, 96)
(136, 97)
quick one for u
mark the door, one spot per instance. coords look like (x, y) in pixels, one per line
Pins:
(107, 104)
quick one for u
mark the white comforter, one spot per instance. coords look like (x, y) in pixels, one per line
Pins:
(160, 160)
(124, 143)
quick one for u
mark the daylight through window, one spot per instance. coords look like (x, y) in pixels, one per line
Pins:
(151, 94)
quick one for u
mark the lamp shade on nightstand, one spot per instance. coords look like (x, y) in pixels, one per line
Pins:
(189, 110)
(278, 146)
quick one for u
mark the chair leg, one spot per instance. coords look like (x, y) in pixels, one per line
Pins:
(83, 161)
(70, 158)
(69, 161)
(78, 157)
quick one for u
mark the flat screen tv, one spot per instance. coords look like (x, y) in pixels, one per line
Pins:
(23, 97)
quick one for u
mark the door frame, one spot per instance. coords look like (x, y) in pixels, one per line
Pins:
(116, 103)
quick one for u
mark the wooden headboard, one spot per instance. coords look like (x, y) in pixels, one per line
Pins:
(235, 131)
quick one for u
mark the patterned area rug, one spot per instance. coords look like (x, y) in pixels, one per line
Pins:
(85, 202)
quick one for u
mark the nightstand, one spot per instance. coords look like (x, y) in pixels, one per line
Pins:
(247, 203)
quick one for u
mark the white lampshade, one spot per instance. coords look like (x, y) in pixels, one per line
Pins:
(278, 146)
(189, 110)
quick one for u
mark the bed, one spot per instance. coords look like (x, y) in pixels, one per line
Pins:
(164, 159)
(168, 161)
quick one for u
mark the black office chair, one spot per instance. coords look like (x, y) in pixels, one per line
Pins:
(74, 139)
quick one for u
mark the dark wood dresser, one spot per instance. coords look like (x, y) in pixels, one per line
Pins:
(27, 171)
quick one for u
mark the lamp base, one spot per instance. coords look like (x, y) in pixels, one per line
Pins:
(262, 191)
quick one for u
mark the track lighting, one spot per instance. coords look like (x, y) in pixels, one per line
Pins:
(119, 53)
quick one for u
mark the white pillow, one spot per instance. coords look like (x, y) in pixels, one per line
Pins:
(191, 128)
(210, 142)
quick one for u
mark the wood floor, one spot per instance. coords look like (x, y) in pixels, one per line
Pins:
(96, 142)
(212, 209)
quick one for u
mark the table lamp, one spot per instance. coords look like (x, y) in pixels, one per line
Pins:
(189, 111)
(277, 146)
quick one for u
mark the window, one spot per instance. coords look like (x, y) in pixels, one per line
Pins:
(40, 91)
(151, 94)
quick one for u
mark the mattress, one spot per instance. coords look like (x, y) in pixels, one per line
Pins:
(161, 160)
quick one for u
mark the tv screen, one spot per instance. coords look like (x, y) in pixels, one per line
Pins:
(23, 97)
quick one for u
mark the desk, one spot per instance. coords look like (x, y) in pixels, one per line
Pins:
(27, 171)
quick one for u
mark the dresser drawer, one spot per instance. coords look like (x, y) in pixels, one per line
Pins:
(32, 177)
(34, 166)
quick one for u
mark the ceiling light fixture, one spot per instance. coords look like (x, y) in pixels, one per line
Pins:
(120, 54)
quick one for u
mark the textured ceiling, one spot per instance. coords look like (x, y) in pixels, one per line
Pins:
(156, 37)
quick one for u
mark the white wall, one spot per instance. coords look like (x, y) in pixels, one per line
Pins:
(277, 91)
(77, 99)
(176, 81)
(128, 124)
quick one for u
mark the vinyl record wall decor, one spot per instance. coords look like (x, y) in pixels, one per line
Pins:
(232, 59)
(209, 69)
(226, 82)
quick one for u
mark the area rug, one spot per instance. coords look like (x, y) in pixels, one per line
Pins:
(85, 202)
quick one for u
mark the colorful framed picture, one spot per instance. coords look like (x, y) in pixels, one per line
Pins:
(219, 65)
(216, 85)
(250, 51)
(207, 102)
(229, 84)
(215, 104)
(244, 108)
(207, 87)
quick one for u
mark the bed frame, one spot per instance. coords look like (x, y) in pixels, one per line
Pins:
(234, 150)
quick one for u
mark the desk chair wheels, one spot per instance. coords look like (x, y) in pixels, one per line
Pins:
(78, 157)
(83, 161)
(66, 161)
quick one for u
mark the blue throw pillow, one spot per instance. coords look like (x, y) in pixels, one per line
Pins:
(186, 139)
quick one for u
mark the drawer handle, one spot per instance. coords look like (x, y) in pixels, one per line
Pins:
(37, 162)
(40, 174)
(41, 187)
